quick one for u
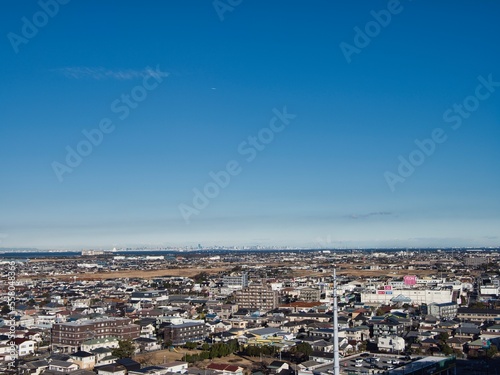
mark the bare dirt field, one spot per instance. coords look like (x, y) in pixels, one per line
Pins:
(164, 356)
(245, 362)
(143, 274)
(190, 271)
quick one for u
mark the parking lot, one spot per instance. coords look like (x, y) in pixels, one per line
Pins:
(372, 363)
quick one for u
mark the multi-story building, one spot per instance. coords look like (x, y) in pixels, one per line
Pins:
(415, 296)
(84, 360)
(45, 321)
(179, 334)
(309, 294)
(359, 333)
(443, 310)
(24, 346)
(475, 261)
(388, 327)
(149, 296)
(393, 344)
(68, 337)
(257, 297)
(478, 315)
(236, 282)
(489, 287)
(92, 344)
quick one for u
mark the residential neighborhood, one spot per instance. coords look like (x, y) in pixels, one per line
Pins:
(259, 318)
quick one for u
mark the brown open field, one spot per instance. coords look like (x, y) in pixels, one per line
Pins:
(147, 274)
(245, 362)
(344, 269)
(350, 270)
(391, 273)
(164, 356)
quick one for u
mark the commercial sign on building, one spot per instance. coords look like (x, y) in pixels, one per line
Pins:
(387, 290)
(410, 279)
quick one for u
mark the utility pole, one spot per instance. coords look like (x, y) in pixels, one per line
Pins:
(336, 363)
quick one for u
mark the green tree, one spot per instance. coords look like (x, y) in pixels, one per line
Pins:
(201, 277)
(204, 355)
(192, 358)
(304, 348)
(190, 345)
(492, 351)
(447, 350)
(126, 349)
(233, 345)
(379, 312)
(443, 337)
(362, 346)
(5, 309)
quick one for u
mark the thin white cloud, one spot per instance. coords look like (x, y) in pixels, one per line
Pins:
(100, 73)
(362, 216)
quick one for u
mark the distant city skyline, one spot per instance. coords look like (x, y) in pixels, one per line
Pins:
(337, 124)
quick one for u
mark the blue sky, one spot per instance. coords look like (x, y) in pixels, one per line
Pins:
(321, 181)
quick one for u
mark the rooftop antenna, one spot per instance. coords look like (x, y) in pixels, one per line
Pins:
(336, 363)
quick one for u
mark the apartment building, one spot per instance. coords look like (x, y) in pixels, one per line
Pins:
(388, 327)
(257, 297)
(68, 337)
(309, 294)
(236, 282)
(478, 315)
(476, 261)
(179, 334)
(443, 310)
